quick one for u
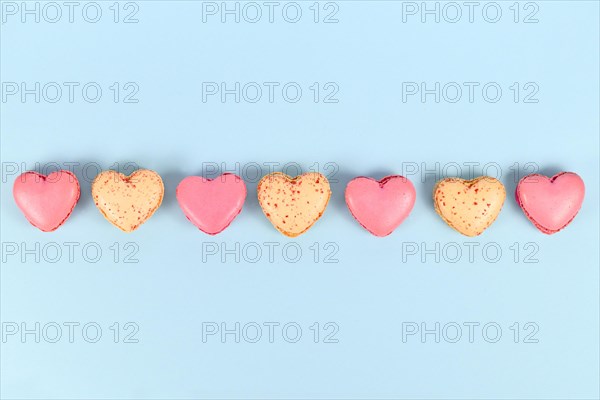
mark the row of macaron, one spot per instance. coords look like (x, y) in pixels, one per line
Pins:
(294, 204)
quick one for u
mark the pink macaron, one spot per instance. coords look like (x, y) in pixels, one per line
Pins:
(380, 206)
(211, 204)
(46, 201)
(550, 203)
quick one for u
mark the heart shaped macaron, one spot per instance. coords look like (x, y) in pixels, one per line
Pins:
(469, 206)
(128, 201)
(380, 206)
(211, 204)
(293, 205)
(46, 201)
(550, 203)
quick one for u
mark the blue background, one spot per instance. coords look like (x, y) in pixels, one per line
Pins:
(370, 292)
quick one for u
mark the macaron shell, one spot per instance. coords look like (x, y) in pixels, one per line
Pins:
(293, 205)
(211, 204)
(128, 201)
(46, 201)
(469, 206)
(551, 203)
(380, 206)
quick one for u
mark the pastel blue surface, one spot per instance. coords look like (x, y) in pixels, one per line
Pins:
(380, 288)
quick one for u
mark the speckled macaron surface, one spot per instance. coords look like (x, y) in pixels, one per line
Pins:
(128, 201)
(46, 201)
(551, 203)
(469, 206)
(293, 205)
